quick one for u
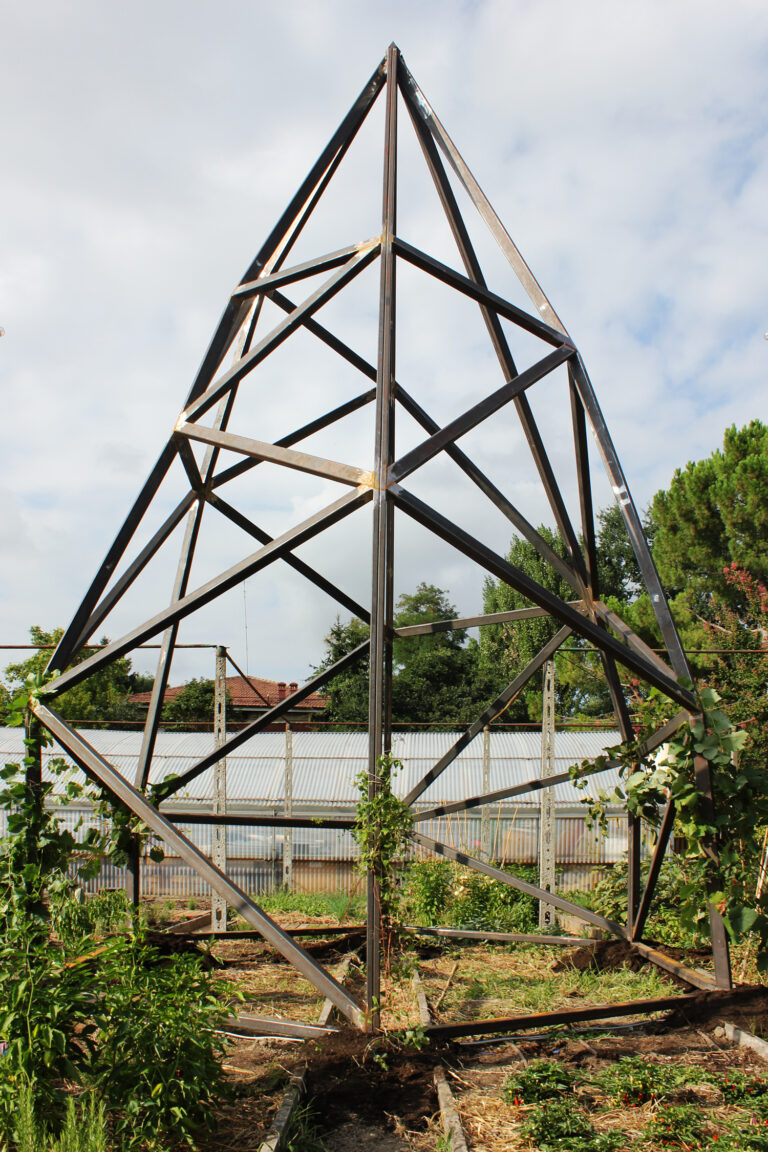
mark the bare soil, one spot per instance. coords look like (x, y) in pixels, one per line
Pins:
(371, 1092)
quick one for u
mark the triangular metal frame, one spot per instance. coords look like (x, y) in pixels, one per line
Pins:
(383, 487)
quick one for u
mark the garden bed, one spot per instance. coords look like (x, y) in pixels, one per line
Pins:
(371, 1092)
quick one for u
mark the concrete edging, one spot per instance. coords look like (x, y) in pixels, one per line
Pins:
(747, 1040)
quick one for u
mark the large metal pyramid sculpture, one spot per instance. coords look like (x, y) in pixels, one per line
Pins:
(205, 420)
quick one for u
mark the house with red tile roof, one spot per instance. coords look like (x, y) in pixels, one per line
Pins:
(252, 696)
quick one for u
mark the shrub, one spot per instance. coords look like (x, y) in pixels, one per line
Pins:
(558, 1124)
(678, 1126)
(429, 890)
(441, 892)
(540, 1080)
(609, 898)
(157, 1065)
(633, 1080)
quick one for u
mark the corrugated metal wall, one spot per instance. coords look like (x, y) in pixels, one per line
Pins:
(324, 767)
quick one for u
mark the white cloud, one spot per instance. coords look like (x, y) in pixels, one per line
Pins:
(149, 149)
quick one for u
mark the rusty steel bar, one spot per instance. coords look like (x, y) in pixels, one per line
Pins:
(441, 849)
(272, 280)
(203, 595)
(490, 713)
(553, 1019)
(665, 831)
(273, 454)
(97, 768)
(380, 681)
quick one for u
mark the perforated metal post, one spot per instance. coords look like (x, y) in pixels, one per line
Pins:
(288, 810)
(485, 813)
(219, 831)
(547, 802)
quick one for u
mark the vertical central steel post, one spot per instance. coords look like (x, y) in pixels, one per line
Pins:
(547, 802)
(380, 688)
(219, 853)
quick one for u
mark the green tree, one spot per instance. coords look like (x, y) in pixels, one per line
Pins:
(505, 649)
(347, 692)
(714, 514)
(192, 707)
(436, 678)
(103, 697)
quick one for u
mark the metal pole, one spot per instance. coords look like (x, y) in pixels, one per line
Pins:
(547, 796)
(219, 831)
(485, 814)
(380, 709)
(288, 810)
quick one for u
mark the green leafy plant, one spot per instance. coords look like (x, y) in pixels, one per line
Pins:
(430, 886)
(382, 829)
(539, 1080)
(558, 1124)
(678, 1126)
(632, 1080)
(736, 1086)
(740, 808)
(158, 1065)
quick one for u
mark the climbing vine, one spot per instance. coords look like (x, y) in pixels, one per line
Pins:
(723, 846)
(382, 828)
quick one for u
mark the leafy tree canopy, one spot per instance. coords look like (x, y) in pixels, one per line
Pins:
(192, 707)
(714, 514)
(436, 677)
(103, 697)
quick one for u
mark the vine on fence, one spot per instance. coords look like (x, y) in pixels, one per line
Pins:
(740, 809)
(382, 828)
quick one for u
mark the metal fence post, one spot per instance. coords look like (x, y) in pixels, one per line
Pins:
(219, 831)
(485, 812)
(547, 801)
(288, 810)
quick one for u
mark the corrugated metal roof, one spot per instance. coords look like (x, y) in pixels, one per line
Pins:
(325, 763)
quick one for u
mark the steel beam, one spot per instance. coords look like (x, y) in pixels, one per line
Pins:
(203, 595)
(511, 881)
(554, 1019)
(538, 782)
(273, 454)
(280, 333)
(380, 682)
(662, 840)
(477, 621)
(98, 769)
(491, 712)
(513, 576)
(476, 415)
(269, 281)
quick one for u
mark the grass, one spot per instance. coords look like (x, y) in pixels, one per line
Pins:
(519, 981)
(338, 906)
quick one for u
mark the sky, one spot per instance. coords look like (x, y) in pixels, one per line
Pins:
(148, 150)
